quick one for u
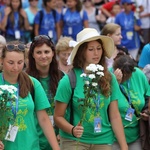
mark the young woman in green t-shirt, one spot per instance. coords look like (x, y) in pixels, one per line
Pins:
(95, 130)
(43, 66)
(26, 105)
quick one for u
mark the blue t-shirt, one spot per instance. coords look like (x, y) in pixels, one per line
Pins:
(2, 7)
(145, 56)
(12, 28)
(73, 22)
(47, 25)
(130, 38)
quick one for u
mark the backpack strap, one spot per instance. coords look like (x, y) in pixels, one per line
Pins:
(54, 14)
(32, 90)
(96, 11)
(41, 17)
(72, 79)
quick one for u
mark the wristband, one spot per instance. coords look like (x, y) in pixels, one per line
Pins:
(148, 112)
(72, 131)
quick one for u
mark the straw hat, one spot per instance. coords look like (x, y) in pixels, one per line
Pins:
(91, 34)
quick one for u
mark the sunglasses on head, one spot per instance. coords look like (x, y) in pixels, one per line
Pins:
(40, 37)
(11, 47)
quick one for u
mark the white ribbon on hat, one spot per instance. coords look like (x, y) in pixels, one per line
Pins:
(71, 44)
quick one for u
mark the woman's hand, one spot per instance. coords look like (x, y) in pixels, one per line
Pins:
(77, 131)
(1, 146)
(145, 115)
(58, 138)
(118, 74)
(7, 11)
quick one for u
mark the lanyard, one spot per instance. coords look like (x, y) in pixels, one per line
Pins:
(128, 93)
(16, 15)
(14, 111)
(97, 102)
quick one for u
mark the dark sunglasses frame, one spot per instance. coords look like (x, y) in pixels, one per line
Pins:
(12, 47)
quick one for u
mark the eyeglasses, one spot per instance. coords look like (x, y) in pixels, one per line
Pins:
(39, 37)
(11, 47)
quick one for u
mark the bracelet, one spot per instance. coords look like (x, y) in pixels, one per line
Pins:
(72, 131)
(148, 112)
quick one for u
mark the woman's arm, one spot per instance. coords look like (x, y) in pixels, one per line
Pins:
(86, 24)
(47, 128)
(4, 21)
(26, 23)
(36, 29)
(58, 29)
(61, 24)
(62, 123)
(117, 126)
(1, 146)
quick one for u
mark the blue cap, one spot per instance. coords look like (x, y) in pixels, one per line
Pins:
(126, 1)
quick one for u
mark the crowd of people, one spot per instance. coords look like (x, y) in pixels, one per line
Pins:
(44, 42)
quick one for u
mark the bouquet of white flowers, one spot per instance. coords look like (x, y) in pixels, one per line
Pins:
(7, 99)
(91, 88)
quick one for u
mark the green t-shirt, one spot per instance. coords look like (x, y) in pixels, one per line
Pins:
(27, 136)
(137, 86)
(44, 144)
(63, 94)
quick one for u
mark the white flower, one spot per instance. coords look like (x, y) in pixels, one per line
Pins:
(100, 73)
(92, 68)
(9, 88)
(83, 75)
(87, 82)
(91, 76)
(94, 84)
(101, 68)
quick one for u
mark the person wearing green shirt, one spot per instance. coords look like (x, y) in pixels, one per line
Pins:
(134, 87)
(42, 65)
(95, 130)
(26, 106)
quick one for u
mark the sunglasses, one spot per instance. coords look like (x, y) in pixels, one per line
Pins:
(40, 37)
(12, 47)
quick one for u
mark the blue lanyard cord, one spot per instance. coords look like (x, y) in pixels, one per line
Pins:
(16, 20)
(128, 92)
(14, 111)
(97, 102)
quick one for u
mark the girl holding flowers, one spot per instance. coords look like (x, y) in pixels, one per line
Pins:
(95, 109)
(27, 105)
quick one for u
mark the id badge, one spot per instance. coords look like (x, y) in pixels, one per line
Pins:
(129, 35)
(129, 114)
(17, 34)
(52, 120)
(11, 133)
(50, 34)
(97, 125)
(70, 30)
